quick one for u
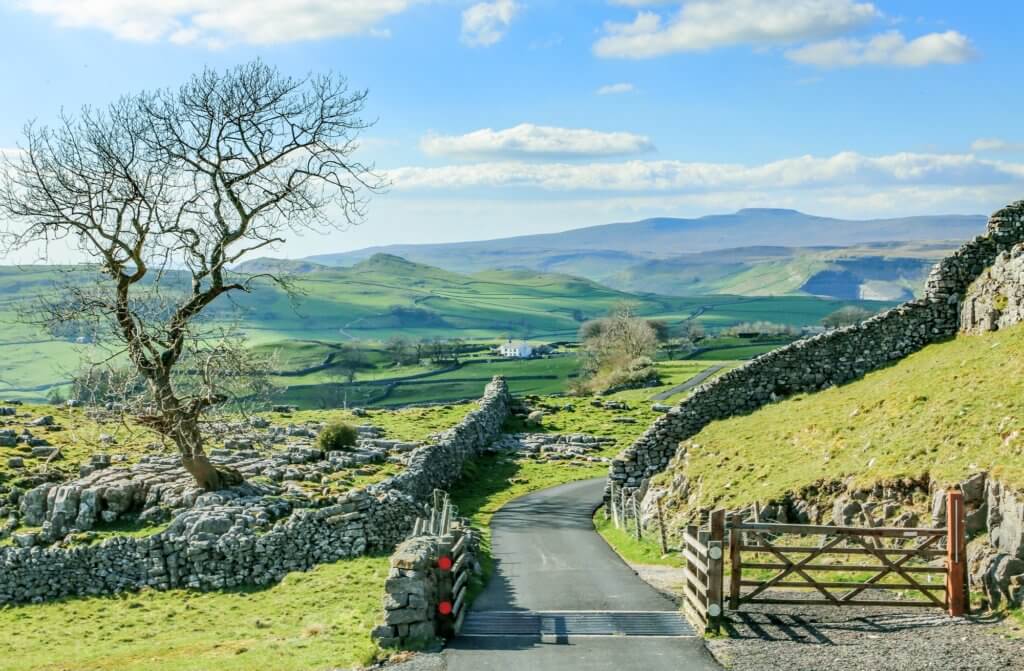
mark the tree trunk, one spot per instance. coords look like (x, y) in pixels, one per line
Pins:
(182, 427)
(208, 476)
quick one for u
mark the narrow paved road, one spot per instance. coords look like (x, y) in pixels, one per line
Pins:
(689, 384)
(561, 599)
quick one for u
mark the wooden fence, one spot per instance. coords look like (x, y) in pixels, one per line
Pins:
(704, 552)
(900, 562)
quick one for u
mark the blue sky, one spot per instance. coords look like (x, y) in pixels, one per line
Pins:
(509, 117)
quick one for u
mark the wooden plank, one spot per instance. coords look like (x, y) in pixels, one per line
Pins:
(842, 567)
(736, 561)
(796, 568)
(891, 567)
(690, 591)
(695, 561)
(924, 554)
(823, 602)
(811, 529)
(805, 585)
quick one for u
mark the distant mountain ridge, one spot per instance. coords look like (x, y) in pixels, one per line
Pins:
(750, 252)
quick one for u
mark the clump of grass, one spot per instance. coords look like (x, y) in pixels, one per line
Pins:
(337, 437)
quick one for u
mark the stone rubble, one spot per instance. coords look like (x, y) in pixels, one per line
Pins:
(553, 446)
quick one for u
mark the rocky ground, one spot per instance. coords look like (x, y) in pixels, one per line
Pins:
(277, 461)
(553, 446)
(856, 638)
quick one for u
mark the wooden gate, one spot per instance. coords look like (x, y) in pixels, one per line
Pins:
(893, 560)
(764, 558)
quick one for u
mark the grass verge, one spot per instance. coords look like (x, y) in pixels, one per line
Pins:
(308, 622)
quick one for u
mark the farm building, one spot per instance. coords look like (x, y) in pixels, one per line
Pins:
(516, 350)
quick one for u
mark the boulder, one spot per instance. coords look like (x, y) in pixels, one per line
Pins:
(1005, 519)
(845, 511)
(999, 575)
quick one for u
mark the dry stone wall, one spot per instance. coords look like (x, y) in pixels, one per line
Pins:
(226, 541)
(827, 359)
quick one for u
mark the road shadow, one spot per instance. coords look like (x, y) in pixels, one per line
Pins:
(822, 628)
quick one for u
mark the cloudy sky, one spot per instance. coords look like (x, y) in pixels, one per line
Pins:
(520, 116)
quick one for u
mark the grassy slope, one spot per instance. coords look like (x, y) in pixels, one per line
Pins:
(946, 411)
(309, 622)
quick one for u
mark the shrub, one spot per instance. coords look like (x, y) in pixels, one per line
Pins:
(337, 436)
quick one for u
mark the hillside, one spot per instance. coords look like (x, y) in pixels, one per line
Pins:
(873, 271)
(714, 254)
(949, 410)
(376, 299)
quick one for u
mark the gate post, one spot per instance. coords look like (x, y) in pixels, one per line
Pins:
(956, 554)
(716, 556)
(735, 560)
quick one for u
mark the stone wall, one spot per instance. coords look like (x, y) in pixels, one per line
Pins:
(831, 358)
(224, 542)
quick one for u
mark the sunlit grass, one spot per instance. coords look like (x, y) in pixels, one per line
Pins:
(311, 621)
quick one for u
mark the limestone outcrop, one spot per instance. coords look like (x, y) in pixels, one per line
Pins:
(241, 536)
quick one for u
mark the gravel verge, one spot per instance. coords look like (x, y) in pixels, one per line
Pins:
(859, 638)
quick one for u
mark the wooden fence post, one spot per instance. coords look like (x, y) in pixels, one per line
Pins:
(661, 528)
(956, 554)
(614, 511)
(716, 556)
(735, 560)
(636, 514)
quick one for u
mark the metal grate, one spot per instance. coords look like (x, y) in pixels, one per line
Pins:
(575, 623)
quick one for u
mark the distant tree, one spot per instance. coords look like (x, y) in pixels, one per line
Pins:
(167, 190)
(661, 329)
(694, 330)
(846, 316)
(619, 350)
(762, 328)
(591, 328)
(398, 350)
(348, 359)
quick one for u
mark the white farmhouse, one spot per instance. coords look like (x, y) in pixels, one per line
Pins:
(516, 350)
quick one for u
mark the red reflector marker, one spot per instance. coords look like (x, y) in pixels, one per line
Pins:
(444, 563)
(444, 608)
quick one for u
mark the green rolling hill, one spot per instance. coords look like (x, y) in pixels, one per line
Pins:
(749, 252)
(381, 297)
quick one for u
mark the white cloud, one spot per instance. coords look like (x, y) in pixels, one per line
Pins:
(889, 48)
(485, 23)
(612, 89)
(993, 144)
(804, 172)
(528, 140)
(214, 23)
(707, 24)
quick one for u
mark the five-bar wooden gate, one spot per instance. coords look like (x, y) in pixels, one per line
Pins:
(768, 558)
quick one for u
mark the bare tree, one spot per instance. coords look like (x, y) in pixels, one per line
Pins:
(168, 190)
